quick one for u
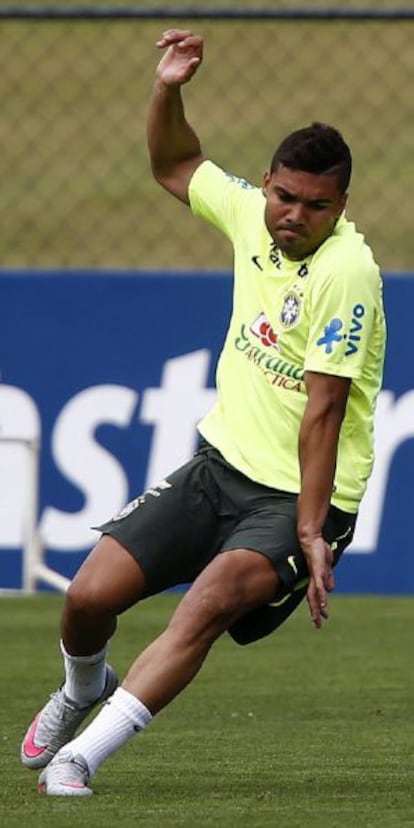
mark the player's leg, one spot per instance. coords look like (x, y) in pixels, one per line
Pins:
(169, 533)
(231, 585)
(107, 583)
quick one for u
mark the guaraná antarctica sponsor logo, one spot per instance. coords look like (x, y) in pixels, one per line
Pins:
(277, 371)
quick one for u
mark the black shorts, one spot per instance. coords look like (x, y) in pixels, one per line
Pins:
(206, 507)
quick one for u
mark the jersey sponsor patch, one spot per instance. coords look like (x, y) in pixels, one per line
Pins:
(331, 335)
(353, 336)
(262, 328)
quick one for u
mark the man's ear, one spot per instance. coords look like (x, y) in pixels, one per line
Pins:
(344, 199)
(266, 179)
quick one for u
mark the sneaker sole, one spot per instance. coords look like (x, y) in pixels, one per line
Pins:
(67, 790)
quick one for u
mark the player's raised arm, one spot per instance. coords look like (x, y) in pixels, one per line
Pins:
(174, 148)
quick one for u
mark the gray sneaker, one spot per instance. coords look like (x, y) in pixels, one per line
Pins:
(57, 723)
(65, 775)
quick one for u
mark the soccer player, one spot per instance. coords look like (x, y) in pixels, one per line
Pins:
(262, 512)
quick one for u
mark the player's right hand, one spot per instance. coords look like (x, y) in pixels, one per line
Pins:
(319, 559)
(182, 58)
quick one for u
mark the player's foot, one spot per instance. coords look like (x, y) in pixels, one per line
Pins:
(57, 723)
(65, 775)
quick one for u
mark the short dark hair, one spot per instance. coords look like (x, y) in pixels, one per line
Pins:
(318, 148)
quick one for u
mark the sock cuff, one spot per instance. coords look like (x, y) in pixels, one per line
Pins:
(130, 706)
(95, 658)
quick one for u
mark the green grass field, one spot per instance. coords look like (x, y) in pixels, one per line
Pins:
(305, 728)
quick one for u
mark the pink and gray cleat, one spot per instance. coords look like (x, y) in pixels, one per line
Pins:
(57, 723)
(65, 775)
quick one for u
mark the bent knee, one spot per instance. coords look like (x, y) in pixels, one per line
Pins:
(109, 581)
(202, 615)
(234, 583)
(243, 578)
(83, 599)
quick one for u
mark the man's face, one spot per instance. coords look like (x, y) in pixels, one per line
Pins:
(301, 209)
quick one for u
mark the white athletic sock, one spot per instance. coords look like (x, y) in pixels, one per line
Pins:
(121, 717)
(85, 676)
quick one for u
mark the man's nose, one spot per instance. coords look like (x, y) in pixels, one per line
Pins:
(296, 213)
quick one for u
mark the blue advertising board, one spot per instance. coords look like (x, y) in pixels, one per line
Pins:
(111, 371)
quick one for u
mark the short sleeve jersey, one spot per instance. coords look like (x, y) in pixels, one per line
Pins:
(322, 314)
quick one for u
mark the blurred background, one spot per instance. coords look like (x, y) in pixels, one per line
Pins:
(75, 184)
(114, 300)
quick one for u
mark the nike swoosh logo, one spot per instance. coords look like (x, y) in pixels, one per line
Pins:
(31, 749)
(291, 561)
(334, 544)
(256, 261)
(341, 537)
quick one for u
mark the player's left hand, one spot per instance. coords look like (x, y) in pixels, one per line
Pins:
(319, 559)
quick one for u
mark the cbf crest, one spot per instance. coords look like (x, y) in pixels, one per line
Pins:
(290, 311)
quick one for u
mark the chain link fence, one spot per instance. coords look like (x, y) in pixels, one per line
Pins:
(76, 189)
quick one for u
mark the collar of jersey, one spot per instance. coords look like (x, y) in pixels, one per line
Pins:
(288, 267)
(292, 266)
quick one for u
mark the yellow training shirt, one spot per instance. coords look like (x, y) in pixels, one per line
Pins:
(321, 314)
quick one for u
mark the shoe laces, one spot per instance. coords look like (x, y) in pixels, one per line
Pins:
(61, 705)
(69, 770)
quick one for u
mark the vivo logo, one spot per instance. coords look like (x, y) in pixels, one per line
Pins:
(354, 337)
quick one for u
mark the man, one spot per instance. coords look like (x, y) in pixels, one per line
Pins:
(266, 506)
